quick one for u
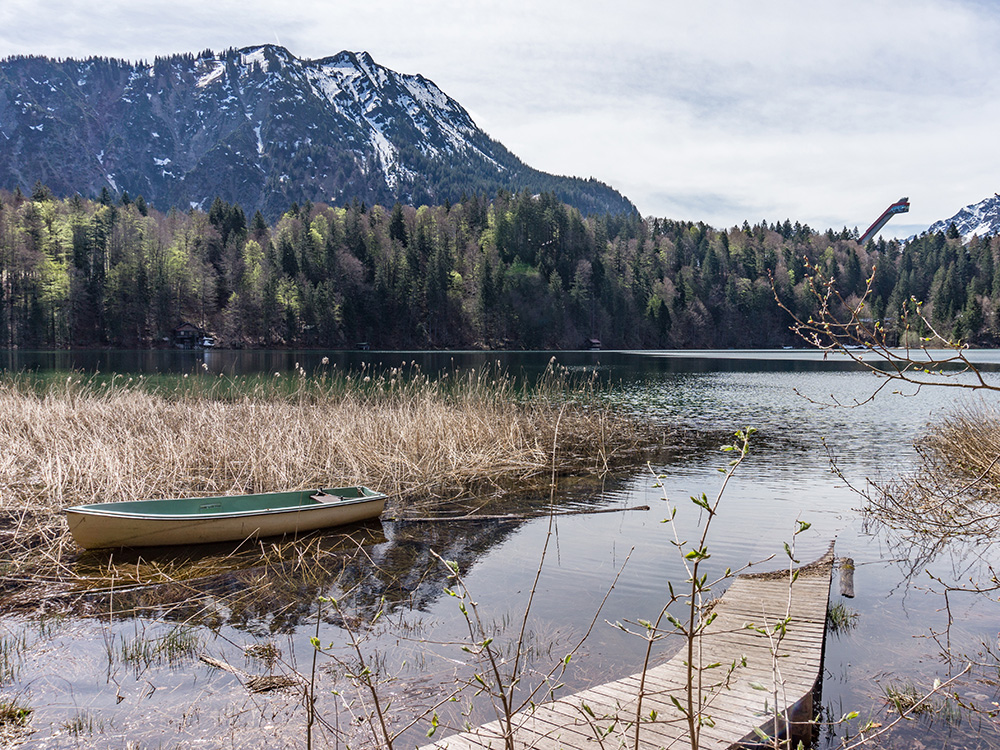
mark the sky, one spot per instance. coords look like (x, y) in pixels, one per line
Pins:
(721, 111)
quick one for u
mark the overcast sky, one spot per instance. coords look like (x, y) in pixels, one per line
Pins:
(719, 111)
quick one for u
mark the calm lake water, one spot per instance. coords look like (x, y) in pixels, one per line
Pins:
(86, 692)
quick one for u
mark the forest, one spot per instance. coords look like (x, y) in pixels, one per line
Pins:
(511, 271)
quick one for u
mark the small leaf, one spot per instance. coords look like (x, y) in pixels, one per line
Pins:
(849, 716)
(758, 686)
(701, 502)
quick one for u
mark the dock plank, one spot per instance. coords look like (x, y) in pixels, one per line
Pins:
(604, 715)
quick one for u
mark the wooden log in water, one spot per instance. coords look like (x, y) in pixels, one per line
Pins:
(847, 577)
(516, 516)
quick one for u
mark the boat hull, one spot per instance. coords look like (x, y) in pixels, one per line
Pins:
(146, 523)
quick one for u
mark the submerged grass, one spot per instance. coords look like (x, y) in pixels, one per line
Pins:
(12, 650)
(83, 723)
(903, 697)
(82, 439)
(12, 711)
(141, 651)
(841, 618)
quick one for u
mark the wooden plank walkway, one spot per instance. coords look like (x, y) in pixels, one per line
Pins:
(603, 717)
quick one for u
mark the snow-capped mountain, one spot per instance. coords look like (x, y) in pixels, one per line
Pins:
(255, 126)
(980, 218)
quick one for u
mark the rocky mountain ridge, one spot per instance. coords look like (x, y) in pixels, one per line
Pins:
(982, 218)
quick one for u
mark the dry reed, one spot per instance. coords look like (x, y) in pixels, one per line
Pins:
(956, 487)
(86, 439)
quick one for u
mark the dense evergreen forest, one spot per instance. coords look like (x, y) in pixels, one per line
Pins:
(512, 271)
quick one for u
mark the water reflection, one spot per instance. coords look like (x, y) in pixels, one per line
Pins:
(274, 584)
(617, 364)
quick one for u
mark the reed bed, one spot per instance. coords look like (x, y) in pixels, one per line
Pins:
(956, 487)
(82, 439)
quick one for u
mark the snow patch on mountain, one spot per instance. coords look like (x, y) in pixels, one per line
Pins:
(358, 87)
(213, 75)
(254, 57)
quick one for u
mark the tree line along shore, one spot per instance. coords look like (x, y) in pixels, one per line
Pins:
(514, 271)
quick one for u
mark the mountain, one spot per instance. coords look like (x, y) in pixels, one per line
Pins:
(256, 126)
(979, 218)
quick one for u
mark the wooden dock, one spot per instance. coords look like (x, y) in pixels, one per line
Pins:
(604, 716)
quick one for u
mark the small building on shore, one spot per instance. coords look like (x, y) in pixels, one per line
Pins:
(189, 336)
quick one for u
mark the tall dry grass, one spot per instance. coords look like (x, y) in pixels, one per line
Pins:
(85, 439)
(956, 487)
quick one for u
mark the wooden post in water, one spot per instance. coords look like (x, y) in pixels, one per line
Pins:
(847, 577)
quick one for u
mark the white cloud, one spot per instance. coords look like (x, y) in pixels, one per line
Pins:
(719, 111)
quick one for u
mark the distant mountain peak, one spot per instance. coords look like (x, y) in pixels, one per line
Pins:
(980, 219)
(259, 127)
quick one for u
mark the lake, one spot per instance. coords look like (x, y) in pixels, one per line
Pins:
(90, 682)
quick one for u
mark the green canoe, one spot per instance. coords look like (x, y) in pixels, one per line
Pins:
(195, 520)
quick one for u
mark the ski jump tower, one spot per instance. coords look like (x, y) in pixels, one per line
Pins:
(899, 207)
